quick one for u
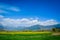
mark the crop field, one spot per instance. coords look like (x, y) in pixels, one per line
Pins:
(28, 36)
(25, 32)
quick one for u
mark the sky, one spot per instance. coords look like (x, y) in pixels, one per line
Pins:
(28, 12)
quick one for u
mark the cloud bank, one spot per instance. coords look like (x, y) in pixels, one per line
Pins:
(25, 22)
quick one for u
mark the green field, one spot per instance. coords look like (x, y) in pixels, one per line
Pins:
(28, 36)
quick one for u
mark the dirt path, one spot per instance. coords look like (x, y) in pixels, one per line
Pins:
(56, 33)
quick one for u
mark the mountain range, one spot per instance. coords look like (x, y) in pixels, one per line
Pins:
(34, 27)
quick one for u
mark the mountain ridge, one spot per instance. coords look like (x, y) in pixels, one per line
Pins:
(33, 27)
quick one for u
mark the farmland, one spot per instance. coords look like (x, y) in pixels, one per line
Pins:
(28, 36)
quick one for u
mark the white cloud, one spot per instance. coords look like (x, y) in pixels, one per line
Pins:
(6, 8)
(14, 9)
(3, 11)
(1, 16)
(49, 22)
(18, 22)
(8, 22)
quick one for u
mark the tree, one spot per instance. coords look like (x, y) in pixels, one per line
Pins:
(54, 29)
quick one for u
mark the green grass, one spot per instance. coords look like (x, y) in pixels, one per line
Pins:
(28, 37)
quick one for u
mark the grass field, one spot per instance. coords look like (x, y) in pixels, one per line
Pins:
(28, 36)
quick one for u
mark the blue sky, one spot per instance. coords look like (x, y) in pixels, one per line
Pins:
(26, 13)
(44, 9)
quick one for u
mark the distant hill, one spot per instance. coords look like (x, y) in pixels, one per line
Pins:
(33, 27)
(1, 27)
(57, 26)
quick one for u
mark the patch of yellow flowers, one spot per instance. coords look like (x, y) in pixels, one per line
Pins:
(25, 32)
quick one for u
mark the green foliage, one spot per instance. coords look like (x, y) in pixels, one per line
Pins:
(28, 37)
